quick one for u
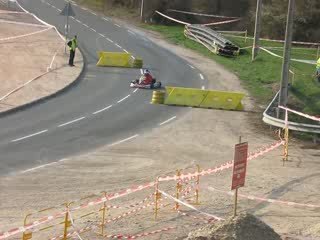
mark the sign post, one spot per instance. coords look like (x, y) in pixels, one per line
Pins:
(67, 11)
(239, 170)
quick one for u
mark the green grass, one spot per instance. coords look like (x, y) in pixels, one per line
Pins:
(262, 76)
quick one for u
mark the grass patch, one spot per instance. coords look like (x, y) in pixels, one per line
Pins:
(261, 77)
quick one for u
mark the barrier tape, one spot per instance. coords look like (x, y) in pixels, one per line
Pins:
(191, 207)
(128, 191)
(292, 59)
(301, 114)
(172, 19)
(251, 197)
(74, 227)
(199, 14)
(223, 22)
(25, 35)
(279, 41)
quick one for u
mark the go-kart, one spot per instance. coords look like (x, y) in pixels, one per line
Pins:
(153, 85)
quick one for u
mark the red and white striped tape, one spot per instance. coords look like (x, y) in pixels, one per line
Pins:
(260, 199)
(301, 114)
(172, 19)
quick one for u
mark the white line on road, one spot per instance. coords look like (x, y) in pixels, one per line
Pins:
(28, 136)
(85, 25)
(35, 168)
(191, 66)
(106, 19)
(125, 50)
(118, 45)
(133, 57)
(124, 98)
(72, 17)
(85, 9)
(129, 31)
(93, 29)
(73, 121)
(109, 40)
(101, 110)
(203, 88)
(169, 120)
(124, 140)
(93, 13)
(136, 90)
(102, 35)
(78, 20)
(201, 76)
(117, 25)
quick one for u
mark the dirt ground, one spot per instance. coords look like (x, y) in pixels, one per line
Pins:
(23, 59)
(204, 137)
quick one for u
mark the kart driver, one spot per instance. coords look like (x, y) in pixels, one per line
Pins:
(146, 78)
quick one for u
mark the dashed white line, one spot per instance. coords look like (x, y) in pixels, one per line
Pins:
(72, 17)
(85, 9)
(101, 110)
(203, 88)
(118, 45)
(133, 57)
(42, 166)
(124, 140)
(121, 100)
(169, 120)
(125, 50)
(93, 29)
(102, 35)
(106, 19)
(136, 90)
(129, 31)
(29, 136)
(73, 121)
(201, 76)
(78, 20)
(117, 25)
(109, 40)
(191, 66)
(85, 25)
(93, 13)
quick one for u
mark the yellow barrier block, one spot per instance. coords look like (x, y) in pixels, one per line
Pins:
(185, 96)
(223, 100)
(114, 59)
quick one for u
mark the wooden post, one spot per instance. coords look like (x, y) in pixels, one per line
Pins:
(178, 189)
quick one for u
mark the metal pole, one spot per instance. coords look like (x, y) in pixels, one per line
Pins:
(236, 193)
(283, 97)
(66, 26)
(257, 30)
(142, 10)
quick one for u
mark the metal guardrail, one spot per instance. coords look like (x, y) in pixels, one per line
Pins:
(213, 40)
(270, 112)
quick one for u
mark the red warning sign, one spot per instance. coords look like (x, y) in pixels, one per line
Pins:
(239, 165)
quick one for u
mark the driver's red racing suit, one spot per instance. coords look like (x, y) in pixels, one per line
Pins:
(147, 79)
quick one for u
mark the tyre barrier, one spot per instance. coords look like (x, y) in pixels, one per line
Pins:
(158, 97)
(193, 97)
(118, 59)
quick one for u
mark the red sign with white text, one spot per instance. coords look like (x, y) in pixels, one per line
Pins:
(239, 165)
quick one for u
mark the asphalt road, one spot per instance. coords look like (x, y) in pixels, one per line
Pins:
(101, 109)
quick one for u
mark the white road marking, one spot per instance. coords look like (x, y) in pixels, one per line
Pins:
(118, 45)
(101, 110)
(106, 19)
(35, 168)
(124, 140)
(93, 13)
(85, 25)
(85, 9)
(93, 29)
(117, 25)
(141, 71)
(124, 98)
(129, 31)
(133, 57)
(63, 159)
(73, 121)
(191, 66)
(72, 17)
(125, 50)
(109, 40)
(29, 136)
(203, 88)
(201, 76)
(78, 20)
(102, 35)
(169, 120)
(136, 90)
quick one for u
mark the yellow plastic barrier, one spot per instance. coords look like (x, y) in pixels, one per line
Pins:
(185, 96)
(203, 98)
(114, 59)
(223, 100)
